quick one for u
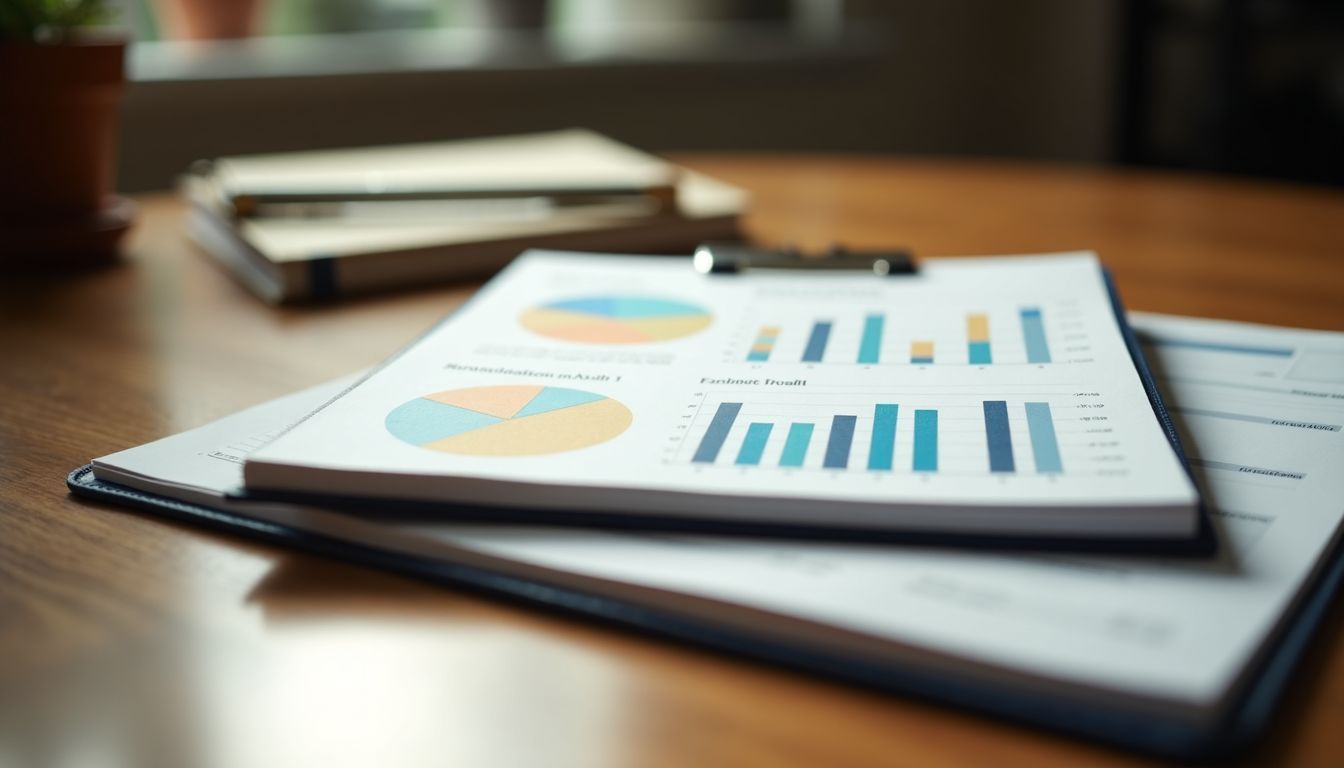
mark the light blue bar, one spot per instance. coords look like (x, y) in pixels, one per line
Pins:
(979, 351)
(926, 441)
(816, 343)
(838, 445)
(795, 445)
(870, 346)
(999, 437)
(1044, 446)
(712, 442)
(1033, 331)
(883, 443)
(1209, 346)
(763, 339)
(752, 447)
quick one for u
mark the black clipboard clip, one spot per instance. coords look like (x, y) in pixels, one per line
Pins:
(725, 258)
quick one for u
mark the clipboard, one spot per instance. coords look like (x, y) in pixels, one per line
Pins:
(1251, 711)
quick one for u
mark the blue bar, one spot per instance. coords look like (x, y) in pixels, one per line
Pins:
(756, 356)
(795, 445)
(926, 441)
(1033, 331)
(870, 346)
(999, 438)
(837, 446)
(752, 448)
(883, 444)
(712, 442)
(1210, 346)
(816, 343)
(1044, 446)
(979, 351)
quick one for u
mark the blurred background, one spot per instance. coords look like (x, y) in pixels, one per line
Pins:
(1253, 87)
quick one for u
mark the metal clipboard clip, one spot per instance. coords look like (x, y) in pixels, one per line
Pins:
(725, 258)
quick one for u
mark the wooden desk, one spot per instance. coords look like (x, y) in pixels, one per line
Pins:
(127, 640)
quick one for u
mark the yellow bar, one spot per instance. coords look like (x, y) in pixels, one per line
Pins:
(977, 327)
(770, 330)
(921, 349)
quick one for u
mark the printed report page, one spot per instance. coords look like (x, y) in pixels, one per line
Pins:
(997, 382)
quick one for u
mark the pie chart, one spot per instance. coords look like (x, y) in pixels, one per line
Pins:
(508, 420)
(616, 319)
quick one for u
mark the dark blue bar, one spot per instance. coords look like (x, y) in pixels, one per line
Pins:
(816, 343)
(712, 442)
(999, 438)
(837, 445)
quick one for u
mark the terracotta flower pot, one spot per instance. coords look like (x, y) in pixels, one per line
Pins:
(58, 150)
(209, 19)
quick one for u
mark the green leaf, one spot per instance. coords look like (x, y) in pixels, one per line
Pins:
(48, 20)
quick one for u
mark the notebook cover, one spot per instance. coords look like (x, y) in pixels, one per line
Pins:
(1251, 712)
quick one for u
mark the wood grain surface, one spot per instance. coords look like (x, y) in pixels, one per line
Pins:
(126, 640)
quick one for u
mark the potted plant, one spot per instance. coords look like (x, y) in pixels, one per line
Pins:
(60, 88)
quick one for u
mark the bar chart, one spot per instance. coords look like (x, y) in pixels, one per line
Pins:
(912, 432)
(1017, 335)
